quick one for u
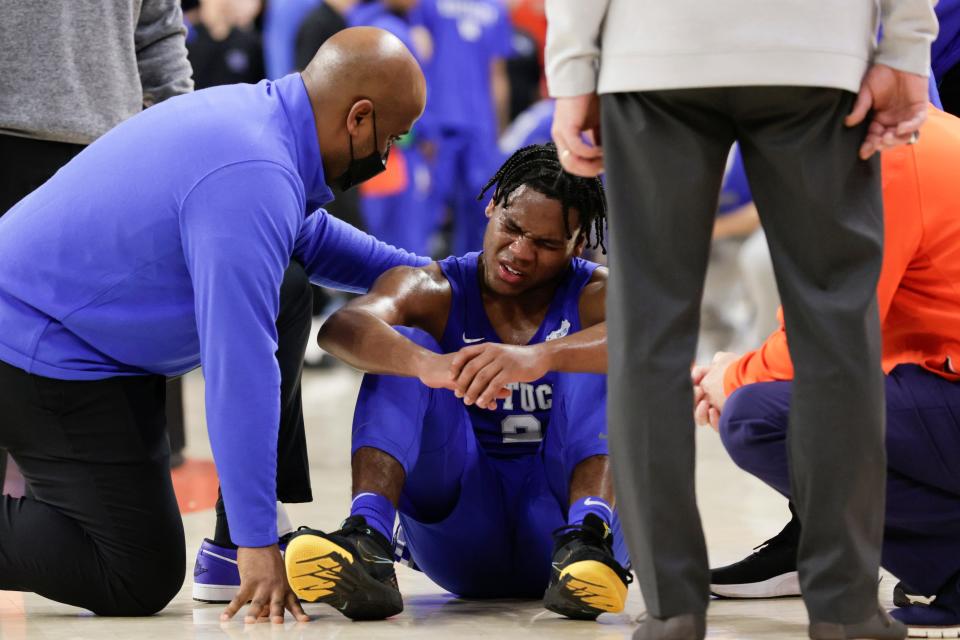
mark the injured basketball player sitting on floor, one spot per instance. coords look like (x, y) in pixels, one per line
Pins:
(482, 417)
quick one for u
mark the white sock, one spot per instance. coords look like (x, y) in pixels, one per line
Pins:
(284, 526)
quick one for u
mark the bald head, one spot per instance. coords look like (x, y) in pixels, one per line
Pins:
(371, 63)
(360, 75)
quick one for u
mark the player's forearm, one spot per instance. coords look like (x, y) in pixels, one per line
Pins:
(365, 342)
(581, 352)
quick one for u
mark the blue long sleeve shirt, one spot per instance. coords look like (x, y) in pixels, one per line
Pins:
(162, 246)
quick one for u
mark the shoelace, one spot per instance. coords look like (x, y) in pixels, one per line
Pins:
(567, 533)
(352, 525)
(787, 531)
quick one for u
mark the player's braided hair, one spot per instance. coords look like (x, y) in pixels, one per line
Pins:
(538, 167)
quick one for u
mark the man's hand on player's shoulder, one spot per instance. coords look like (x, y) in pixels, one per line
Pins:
(481, 372)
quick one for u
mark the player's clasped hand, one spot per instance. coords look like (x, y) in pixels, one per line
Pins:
(482, 372)
(434, 371)
(263, 583)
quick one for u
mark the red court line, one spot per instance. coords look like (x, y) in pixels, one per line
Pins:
(195, 483)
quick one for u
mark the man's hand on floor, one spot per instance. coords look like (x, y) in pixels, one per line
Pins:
(263, 582)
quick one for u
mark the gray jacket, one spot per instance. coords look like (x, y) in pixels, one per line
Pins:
(645, 45)
(72, 69)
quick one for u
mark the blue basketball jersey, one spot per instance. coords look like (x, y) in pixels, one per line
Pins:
(519, 423)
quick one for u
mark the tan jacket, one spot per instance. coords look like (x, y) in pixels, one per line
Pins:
(614, 46)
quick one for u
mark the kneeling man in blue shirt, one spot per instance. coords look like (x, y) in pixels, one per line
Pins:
(159, 248)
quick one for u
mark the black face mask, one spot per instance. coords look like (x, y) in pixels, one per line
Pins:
(362, 169)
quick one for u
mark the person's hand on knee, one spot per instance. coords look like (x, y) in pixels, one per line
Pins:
(709, 395)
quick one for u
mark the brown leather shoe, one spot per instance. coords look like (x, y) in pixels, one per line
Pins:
(879, 627)
(687, 626)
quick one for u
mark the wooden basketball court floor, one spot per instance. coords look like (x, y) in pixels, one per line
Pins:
(738, 513)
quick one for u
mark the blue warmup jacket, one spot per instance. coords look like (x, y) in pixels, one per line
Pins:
(162, 246)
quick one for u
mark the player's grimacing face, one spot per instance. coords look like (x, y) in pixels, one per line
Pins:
(526, 245)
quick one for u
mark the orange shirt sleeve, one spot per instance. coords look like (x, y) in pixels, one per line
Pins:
(903, 226)
(770, 362)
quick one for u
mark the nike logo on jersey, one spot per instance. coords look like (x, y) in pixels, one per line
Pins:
(590, 502)
(561, 332)
(472, 340)
(602, 436)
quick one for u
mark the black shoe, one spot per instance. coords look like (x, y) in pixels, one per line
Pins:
(350, 569)
(586, 579)
(769, 572)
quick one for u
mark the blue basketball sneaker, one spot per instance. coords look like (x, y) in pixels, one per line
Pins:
(216, 576)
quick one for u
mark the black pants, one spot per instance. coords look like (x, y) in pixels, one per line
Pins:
(25, 164)
(821, 209)
(103, 531)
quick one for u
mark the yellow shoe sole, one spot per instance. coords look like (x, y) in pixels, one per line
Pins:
(320, 570)
(315, 567)
(585, 590)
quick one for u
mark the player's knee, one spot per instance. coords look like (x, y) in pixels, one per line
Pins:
(747, 424)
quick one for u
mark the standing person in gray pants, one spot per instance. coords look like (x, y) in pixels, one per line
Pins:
(679, 87)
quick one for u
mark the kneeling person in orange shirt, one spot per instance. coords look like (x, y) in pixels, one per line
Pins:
(747, 398)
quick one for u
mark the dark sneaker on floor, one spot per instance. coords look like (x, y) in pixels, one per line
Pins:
(350, 569)
(904, 595)
(216, 576)
(939, 619)
(769, 572)
(586, 579)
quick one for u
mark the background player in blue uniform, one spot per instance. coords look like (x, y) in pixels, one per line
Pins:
(396, 204)
(469, 104)
(472, 422)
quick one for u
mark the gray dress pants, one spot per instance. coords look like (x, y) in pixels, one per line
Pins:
(821, 208)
